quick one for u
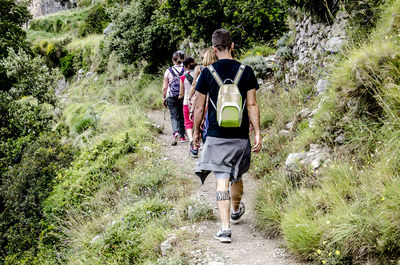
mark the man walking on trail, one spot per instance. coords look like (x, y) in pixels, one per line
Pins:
(227, 150)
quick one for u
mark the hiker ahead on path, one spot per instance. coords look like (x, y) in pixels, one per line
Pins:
(186, 81)
(208, 57)
(170, 94)
(232, 105)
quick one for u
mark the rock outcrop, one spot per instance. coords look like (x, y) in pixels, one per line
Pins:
(314, 158)
(45, 7)
(313, 43)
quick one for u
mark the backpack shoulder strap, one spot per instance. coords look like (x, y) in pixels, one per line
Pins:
(215, 75)
(172, 71)
(182, 71)
(189, 77)
(239, 74)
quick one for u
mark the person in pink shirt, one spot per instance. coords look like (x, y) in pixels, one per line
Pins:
(186, 82)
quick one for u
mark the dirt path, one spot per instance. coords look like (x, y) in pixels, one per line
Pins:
(248, 246)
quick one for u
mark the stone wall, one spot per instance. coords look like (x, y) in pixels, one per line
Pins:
(313, 43)
(45, 7)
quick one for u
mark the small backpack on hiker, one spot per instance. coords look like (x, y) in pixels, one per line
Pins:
(174, 83)
(229, 105)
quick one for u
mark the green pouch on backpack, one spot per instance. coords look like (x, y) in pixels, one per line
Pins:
(229, 106)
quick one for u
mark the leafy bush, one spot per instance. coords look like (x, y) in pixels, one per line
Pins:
(13, 16)
(144, 28)
(26, 107)
(31, 77)
(51, 51)
(29, 156)
(259, 50)
(248, 21)
(285, 53)
(140, 31)
(23, 189)
(21, 123)
(253, 21)
(258, 64)
(66, 63)
(95, 21)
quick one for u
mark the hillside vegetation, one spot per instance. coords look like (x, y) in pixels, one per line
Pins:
(347, 211)
(83, 180)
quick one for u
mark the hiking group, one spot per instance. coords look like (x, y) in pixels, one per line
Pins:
(216, 104)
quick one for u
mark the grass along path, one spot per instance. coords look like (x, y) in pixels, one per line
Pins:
(248, 246)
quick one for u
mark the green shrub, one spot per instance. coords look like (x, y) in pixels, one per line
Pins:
(31, 77)
(143, 28)
(24, 188)
(66, 63)
(90, 172)
(285, 53)
(248, 22)
(258, 50)
(30, 157)
(258, 64)
(13, 16)
(25, 109)
(141, 31)
(95, 21)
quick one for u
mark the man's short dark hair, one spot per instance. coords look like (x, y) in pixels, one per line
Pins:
(221, 39)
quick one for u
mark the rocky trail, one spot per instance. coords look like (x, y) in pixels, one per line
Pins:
(248, 246)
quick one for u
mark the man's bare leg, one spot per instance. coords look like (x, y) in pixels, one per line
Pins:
(236, 194)
(223, 202)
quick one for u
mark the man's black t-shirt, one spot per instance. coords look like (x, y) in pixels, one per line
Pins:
(206, 84)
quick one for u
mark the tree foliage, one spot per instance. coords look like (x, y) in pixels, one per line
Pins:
(141, 31)
(27, 164)
(13, 15)
(95, 21)
(31, 77)
(150, 31)
(23, 189)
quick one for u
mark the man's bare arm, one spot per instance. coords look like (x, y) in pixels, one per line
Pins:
(197, 72)
(198, 117)
(254, 116)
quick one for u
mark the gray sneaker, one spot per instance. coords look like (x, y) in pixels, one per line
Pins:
(223, 236)
(235, 216)
(175, 139)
